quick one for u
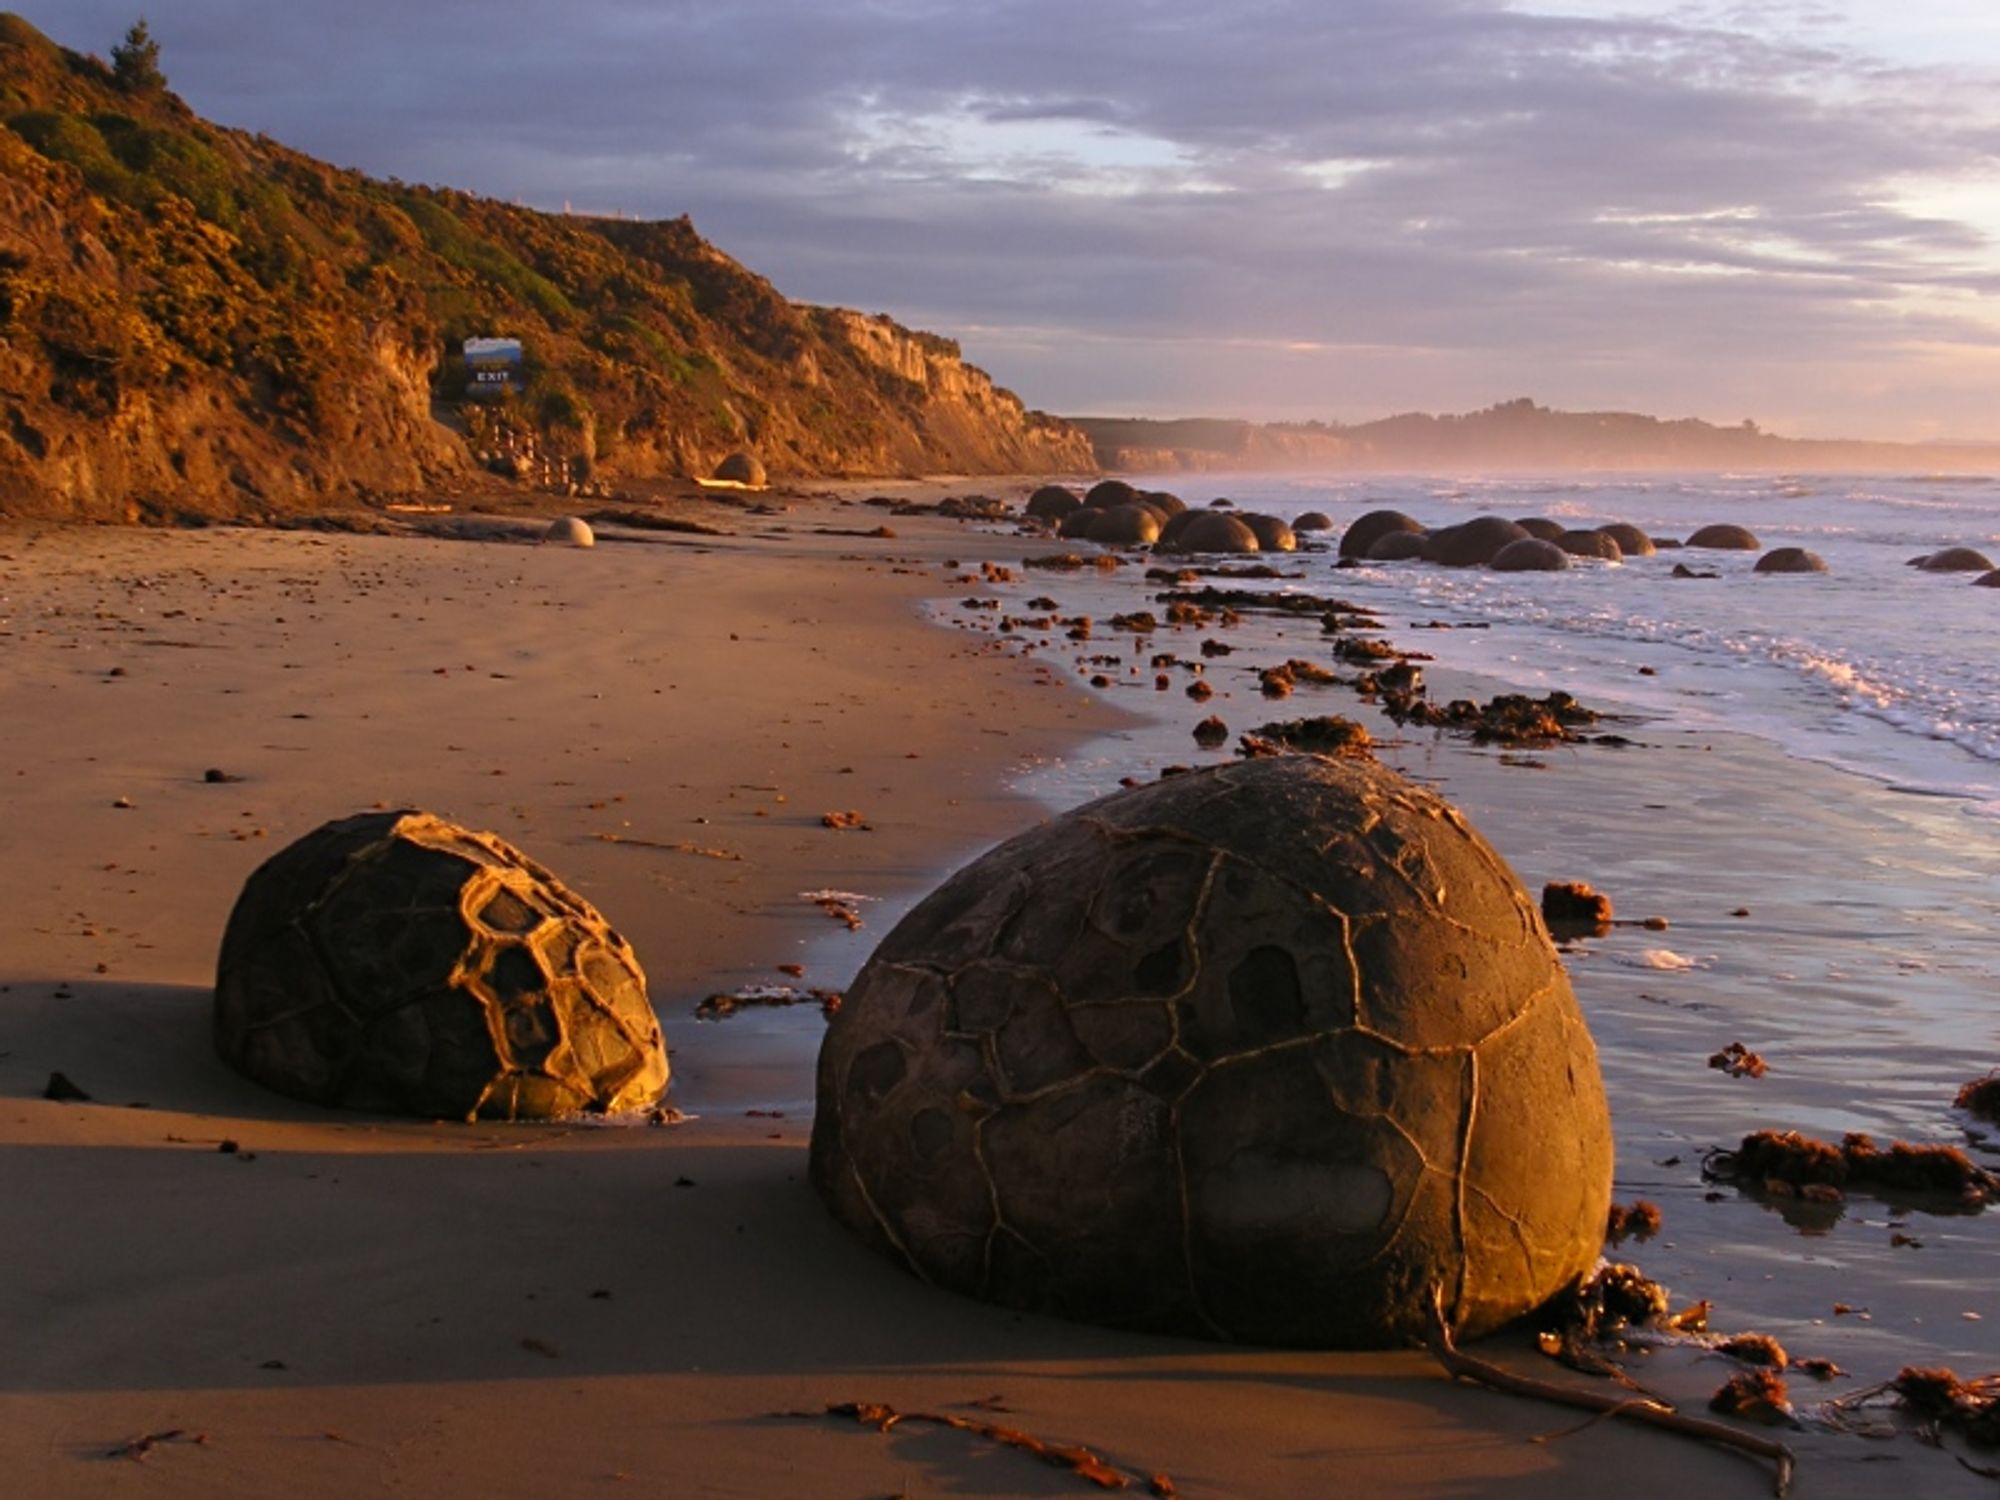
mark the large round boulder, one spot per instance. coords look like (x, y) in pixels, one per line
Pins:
(1790, 560)
(1725, 537)
(1541, 527)
(1275, 1051)
(1125, 526)
(1052, 502)
(1471, 544)
(1109, 492)
(1213, 531)
(1632, 542)
(1166, 502)
(742, 468)
(397, 961)
(1530, 555)
(1080, 524)
(1595, 544)
(1364, 531)
(1272, 534)
(1956, 560)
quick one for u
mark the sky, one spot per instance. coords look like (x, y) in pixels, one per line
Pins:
(1781, 210)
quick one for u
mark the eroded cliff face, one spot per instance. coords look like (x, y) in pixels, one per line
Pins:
(195, 321)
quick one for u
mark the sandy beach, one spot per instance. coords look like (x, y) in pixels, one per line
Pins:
(346, 1305)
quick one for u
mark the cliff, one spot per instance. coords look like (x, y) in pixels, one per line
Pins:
(198, 320)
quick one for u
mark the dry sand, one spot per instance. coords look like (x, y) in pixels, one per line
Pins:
(343, 1305)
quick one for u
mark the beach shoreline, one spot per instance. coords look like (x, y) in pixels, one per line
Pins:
(347, 1305)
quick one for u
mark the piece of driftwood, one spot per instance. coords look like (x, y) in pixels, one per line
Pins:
(1463, 1366)
(1080, 1461)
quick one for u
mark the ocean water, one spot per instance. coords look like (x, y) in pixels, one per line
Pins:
(1812, 799)
(1876, 667)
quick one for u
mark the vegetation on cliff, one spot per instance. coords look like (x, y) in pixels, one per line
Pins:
(198, 319)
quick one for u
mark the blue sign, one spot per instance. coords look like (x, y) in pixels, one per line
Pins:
(493, 368)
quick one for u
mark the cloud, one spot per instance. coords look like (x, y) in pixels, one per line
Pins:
(1484, 196)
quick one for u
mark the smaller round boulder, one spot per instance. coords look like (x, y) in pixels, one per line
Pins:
(1213, 531)
(570, 531)
(397, 961)
(1790, 560)
(1273, 535)
(1364, 531)
(742, 468)
(1080, 523)
(1632, 542)
(1052, 502)
(1312, 520)
(1530, 555)
(1125, 526)
(1595, 544)
(1725, 537)
(1109, 492)
(1988, 580)
(1540, 526)
(1471, 544)
(1398, 546)
(1166, 502)
(1956, 560)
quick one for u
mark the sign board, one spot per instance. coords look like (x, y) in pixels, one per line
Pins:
(493, 368)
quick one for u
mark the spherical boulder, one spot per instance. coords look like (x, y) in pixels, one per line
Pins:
(1956, 560)
(1273, 535)
(1363, 531)
(742, 468)
(1312, 520)
(570, 531)
(1109, 492)
(1052, 502)
(1595, 544)
(1541, 527)
(1125, 526)
(1079, 523)
(1398, 546)
(1632, 542)
(1213, 531)
(1471, 544)
(1529, 555)
(1726, 538)
(1166, 502)
(1790, 560)
(1274, 1051)
(394, 960)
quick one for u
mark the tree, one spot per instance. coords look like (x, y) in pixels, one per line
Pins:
(135, 62)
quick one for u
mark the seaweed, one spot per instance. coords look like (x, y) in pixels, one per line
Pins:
(1789, 1164)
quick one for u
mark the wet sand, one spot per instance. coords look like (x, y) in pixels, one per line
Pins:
(346, 1305)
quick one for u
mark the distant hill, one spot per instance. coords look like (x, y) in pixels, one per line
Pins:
(198, 320)
(1513, 435)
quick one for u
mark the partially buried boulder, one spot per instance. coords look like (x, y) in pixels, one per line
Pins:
(742, 468)
(1530, 555)
(1790, 560)
(1726, 538)
(1364, 531)
(1125, 526)
(1109, 492)
(1594, 544)
(1540, 526)
(1052, 502)
(1080, 523)
(1471, 544)
(397, 961)
(1398, 546)
(1632, 542)
(1273, 535)
(1312, 520)
(1273, 1051)
(1988, 580)
(1955, 560)
(1212, 531)
(570, 531)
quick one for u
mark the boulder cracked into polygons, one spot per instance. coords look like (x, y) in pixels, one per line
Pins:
(396, 961)
(1262, 1052)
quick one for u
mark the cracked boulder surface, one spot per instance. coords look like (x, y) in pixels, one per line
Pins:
(1263, 1052)
(397, 961)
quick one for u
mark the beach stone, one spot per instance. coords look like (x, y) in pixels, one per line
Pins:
(1273, 535)
(1632, 542)
(397, 961)
(1261, 1052)
(1597, 544)
(1725, 537)
(1312, 520)
(1398, 546)
(1530, 555)
(1540, 527)
(1109, 492)
(1125, 526)
(1052, 502)
(1214, 531)
(1790, 560)
(1956, 560)
(742, 468)
(570, 531)
(1364, 531)
(1471, 544)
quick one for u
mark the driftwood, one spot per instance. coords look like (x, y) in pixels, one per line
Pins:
(1653, 1413)
(1081, 1462)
